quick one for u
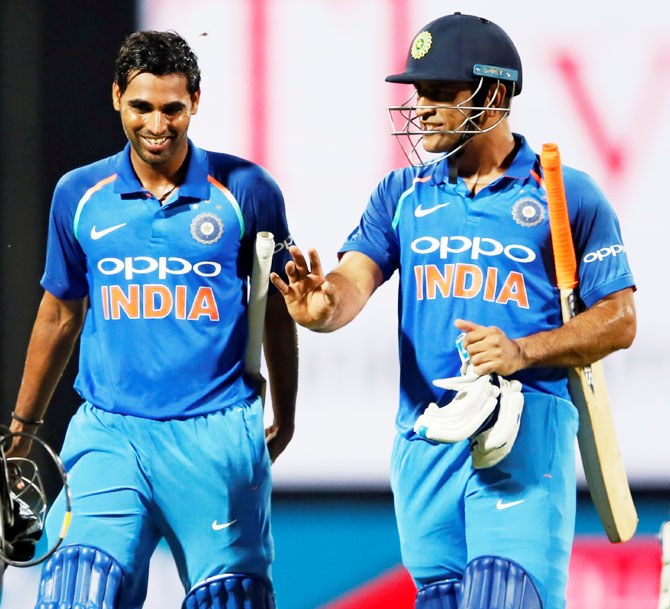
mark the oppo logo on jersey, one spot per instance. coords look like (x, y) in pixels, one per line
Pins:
(142, 265)
(281, 245)
(603, 252)
(478, 246)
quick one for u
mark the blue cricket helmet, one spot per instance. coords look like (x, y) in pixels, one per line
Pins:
(461, 48)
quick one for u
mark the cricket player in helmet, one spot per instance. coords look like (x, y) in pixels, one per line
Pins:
(461, 49)
(483, 524)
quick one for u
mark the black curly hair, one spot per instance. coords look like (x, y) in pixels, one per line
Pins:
(158, 53)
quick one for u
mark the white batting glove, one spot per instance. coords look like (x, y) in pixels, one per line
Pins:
(492, 445)
(475, 400)
(488, 414)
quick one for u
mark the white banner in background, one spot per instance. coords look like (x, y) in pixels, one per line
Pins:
(298, 85)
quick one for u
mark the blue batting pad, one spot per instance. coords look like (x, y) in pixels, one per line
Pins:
(491, 582)
(231, 591)
(79, 576)
(439, 595)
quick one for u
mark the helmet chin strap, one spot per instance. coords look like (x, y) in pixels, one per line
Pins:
(453, 167)
(455, 156)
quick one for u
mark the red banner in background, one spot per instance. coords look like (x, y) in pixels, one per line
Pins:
(614, 576)
(602, 576)
(393, 589)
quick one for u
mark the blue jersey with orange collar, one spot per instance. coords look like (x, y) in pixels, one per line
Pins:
(486, 259)
(166, 330)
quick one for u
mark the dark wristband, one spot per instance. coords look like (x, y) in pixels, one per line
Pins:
(26, 421)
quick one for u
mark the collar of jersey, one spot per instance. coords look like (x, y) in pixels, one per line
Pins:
(521, 166)
(195, 185)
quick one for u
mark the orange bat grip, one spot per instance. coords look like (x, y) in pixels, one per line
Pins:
(559, 220)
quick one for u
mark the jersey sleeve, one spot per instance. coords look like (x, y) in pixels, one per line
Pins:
(65, 267)
(601, 256)
(263, 209)
(375, 236)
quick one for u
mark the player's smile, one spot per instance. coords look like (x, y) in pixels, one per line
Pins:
(427, 126)
(156, 145)
(438, 142)
(155, 142)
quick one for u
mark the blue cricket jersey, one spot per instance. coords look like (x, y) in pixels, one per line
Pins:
(486, 259)
(166, 329)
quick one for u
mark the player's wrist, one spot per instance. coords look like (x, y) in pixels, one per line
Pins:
(322, 319)
(524, 353)
(27, 421)
(287, 426)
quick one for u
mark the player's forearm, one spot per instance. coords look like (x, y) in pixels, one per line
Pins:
(609, 325)
(281, 354)
(54, 334)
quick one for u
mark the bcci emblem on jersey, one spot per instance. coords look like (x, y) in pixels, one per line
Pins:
(207, 228)
(528, 212)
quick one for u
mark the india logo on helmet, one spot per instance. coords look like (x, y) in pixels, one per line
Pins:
(422, 44)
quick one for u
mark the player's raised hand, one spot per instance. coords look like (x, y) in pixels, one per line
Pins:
(310, 298)
(490, 349)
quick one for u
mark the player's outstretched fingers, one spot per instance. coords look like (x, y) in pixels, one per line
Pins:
(301, 268)
(315, 262)
(292, 272)
(279, 283)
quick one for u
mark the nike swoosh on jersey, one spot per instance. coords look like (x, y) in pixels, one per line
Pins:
(503, 506)
(96, 234)
(217, 527)
(420, 212)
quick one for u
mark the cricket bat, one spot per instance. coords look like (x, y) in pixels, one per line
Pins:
(258, 295)
(603, 466)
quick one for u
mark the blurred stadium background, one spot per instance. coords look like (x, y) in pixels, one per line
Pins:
(298, 86)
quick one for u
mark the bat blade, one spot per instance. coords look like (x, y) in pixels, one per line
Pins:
(598, 446)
